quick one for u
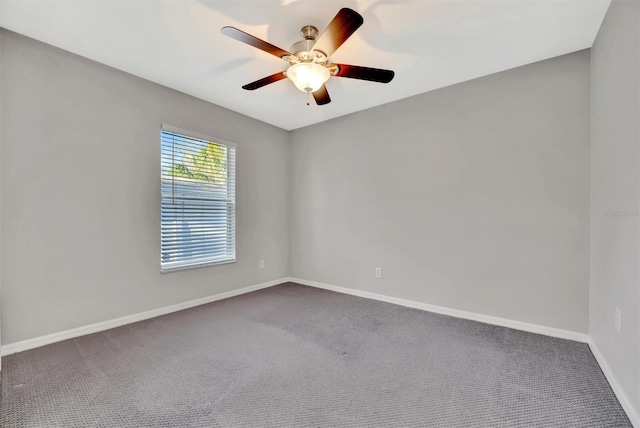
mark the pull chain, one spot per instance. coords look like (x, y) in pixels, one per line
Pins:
(308, 96)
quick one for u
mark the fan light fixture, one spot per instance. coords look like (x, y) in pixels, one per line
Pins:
(308, 76)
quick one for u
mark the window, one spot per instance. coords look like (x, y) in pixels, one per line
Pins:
(197, 209)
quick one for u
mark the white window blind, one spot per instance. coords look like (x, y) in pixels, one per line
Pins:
(198, 200)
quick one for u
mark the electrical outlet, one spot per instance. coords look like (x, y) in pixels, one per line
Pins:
(618, 319)
(261, 264)
(378, 273)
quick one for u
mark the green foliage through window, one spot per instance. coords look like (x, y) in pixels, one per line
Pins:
(208, 164)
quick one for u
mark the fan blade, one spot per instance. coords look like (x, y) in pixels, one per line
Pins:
(243, 37)
(264, 81)
(322, 96)
(345, 23)
(364, 73)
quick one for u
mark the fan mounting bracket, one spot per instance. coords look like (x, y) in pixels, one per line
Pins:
(309, 32)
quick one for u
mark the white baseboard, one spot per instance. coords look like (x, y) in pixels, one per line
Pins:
(487, 319)
(25, 345)
(615, 386)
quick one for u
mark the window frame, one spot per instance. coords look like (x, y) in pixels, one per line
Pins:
(195, 135)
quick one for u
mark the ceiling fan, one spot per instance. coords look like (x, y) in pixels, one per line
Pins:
(309, 66)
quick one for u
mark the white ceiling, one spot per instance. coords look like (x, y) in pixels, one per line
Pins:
(428, 43)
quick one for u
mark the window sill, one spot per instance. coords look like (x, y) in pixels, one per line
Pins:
(196, 266)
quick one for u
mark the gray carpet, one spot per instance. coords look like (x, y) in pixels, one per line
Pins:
(294, 356)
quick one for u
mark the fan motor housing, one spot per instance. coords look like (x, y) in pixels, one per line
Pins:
(303, 50)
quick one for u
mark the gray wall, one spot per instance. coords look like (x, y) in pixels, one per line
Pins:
(473, 197)
(615, 186)
(80, 179)
(0, 182)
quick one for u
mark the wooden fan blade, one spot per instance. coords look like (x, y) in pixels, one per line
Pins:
(365, 73)
(322, 96)
(345, 23)
(264, 81)
(243, 37)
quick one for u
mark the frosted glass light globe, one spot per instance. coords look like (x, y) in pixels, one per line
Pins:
(308, 76)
